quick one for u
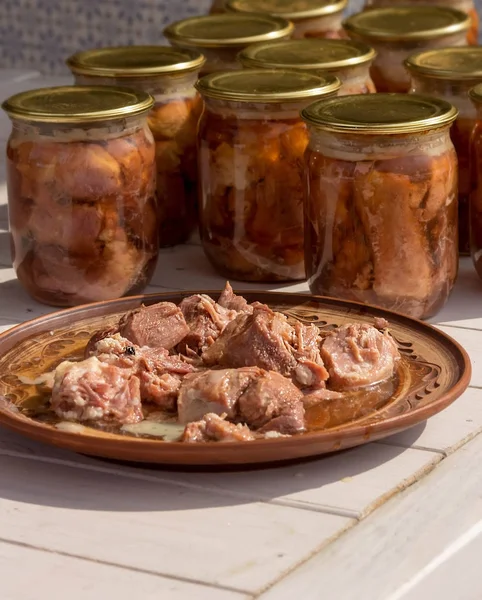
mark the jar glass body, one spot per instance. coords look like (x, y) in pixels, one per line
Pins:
(354, 80)
(217, 7)
(476, 193)
(251, 170)
(82, 209)
(326, 26)
(388, 71)
(457, 94)
(220, 58)
(173, 121)
(467, 6)
(381, 219)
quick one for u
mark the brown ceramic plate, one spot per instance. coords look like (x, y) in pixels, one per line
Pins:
(434, 372)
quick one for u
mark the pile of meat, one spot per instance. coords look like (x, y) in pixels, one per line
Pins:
(83, 216)
(252, 196)
(174, 127)
(229, 370)
(400, 254)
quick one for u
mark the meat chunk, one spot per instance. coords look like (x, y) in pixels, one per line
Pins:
(91, 390)
(98, 336)
(266, 339)
(359, 355)
(313, 398)
(214, 392)
(310, 371)
(158, 326)
(160, 374)
(261, 339)
(273, 403)
(231, 301)
(207, 319)
(214, 428)
(381, 323)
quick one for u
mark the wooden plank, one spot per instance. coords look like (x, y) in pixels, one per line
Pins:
(156, 526)
(455, 573)
(351, 484)
(381, 554)
(29, 573)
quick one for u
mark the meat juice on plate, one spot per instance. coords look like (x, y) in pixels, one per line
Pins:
(466, 6)
(169, 75)
(397, 32)
(449, 74)
(381, 201)
(311, 18)
(215, 371)
(220, 37)
(81, 193)
(346, 59)
(251, 148)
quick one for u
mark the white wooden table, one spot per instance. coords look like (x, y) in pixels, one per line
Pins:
(388, 521)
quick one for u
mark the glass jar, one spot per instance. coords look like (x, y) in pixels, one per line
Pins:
(381, 201)
(396, 33)
(252, 142)
(476, 182)
(311, 18)
(217, 7)
(450, 73)
(81, 193)
(221, 37)
(466, 6)
(346, 59)
(169, 75)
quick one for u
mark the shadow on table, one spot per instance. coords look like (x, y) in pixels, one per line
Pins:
(105, 486)
(3, 213)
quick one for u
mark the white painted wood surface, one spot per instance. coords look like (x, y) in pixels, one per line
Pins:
(119, 531)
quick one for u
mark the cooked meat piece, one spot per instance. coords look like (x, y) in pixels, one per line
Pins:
(206, 320)
(91, 390)
(229, 300)
(213, 392)
(273, 403)
(321, 395)
(261, 339)
(358, 355)
(310, 371)
(90, 349)
(160, 374)
(381, 323)
(402, 268)
(214, 428)
(158, 326)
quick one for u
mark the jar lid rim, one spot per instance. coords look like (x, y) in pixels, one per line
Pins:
(307, 54)
(77, 104)
(380, 114)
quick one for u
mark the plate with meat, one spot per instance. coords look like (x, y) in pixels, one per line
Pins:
(219, 378)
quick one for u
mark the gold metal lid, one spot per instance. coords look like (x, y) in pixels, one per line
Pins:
(135, 61)
(214, 31)
(407, 23)
(458, 64)
(476, 94)
(266, 86)
(380, 113)
(77, 104)
(306, 54)
(289, 9)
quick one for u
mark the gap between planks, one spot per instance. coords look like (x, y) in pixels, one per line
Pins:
(325, 509)
(125, 567)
